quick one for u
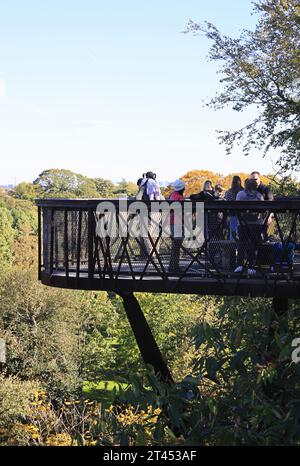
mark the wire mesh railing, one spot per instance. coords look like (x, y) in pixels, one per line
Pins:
(235, 241)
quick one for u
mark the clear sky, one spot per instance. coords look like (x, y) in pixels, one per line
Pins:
(113, 88)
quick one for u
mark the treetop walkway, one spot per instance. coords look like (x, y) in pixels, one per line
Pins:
(124, 247)
(73, 255)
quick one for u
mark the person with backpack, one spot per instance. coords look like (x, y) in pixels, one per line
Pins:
(149, 189)
(250, 230)
(267, 194)
(230, 195)
(176, 226)
(262, 188)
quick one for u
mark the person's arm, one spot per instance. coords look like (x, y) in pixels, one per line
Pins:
(228, 196)
(140, 193)
(197, 197)
(270, 197)
(157, 191)
(269, 194)
(160, 195)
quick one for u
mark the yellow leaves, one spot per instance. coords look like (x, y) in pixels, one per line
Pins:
(250, 69)
(59, 440)
(30, 430)
(136, 419)
(194, 180)
(88, 402)
(45, 425)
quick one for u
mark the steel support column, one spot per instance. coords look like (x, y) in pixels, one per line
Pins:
(280, 305)
(146, 342)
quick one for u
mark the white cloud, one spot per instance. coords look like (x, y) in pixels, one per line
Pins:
(3, 94)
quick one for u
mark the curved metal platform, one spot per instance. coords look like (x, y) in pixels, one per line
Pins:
(73, 255)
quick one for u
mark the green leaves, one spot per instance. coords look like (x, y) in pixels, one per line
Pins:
(238, 362)
(259, 70)
(212, 365)
(67, 184)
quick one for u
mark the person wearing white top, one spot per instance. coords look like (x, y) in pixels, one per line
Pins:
(149, 189)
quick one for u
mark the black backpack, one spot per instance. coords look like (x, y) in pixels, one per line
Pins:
(145, 196)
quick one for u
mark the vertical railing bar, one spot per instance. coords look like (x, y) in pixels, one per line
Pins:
(90, 243)
(51, 240)
(73, 234)
(56, 244)
(66, 245)
(96, 257)
(39, 243)
(78, 252)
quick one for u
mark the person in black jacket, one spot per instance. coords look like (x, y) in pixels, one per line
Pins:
(207, 193)
(213, 220)
(262, 188)
(267, 195)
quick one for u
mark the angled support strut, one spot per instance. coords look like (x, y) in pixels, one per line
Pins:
(146, 342)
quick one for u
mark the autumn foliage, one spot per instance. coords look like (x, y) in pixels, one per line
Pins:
(194, 180)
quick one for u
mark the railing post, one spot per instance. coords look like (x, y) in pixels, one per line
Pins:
(280, 305)
(78, 245)
(66, 245)
(39, 243)
(51, 239)
(90, 244)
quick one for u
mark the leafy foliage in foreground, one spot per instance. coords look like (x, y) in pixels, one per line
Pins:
(242, 389)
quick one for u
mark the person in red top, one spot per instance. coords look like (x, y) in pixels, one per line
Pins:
(176, 227)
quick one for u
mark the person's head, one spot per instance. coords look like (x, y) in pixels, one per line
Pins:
(207, 185)
(219, 190)
(179, 186)
(151, 175)
(236, 183)
(139, 181)
(255, 176)
(251, 184)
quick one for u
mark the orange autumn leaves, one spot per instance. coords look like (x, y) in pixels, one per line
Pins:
(194, 180)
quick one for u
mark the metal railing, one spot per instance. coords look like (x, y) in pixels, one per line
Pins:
(261, 237)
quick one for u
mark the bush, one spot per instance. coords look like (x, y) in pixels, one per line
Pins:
(15, 398)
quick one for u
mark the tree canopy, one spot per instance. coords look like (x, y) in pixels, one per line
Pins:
(261, 69)
(57, 182)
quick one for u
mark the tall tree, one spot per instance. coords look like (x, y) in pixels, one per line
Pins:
(65, 183)
(261, 69)
(104, 187)
(125, 188)
(27, 191)
(59, 182)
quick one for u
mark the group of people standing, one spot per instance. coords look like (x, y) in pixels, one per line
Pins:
(248, 233)
(254, 190)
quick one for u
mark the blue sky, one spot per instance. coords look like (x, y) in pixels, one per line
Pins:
(113, 88)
